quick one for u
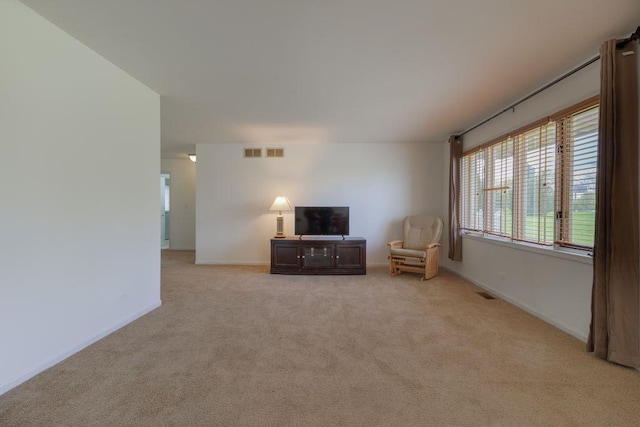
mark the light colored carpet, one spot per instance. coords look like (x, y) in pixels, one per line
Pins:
(238, 346)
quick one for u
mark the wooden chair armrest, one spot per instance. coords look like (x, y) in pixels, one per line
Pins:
(395, 243)
(432, 245)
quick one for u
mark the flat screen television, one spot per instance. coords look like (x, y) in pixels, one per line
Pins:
(319, 221)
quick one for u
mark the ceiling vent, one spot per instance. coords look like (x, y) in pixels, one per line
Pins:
(275, 152)
(253, 152)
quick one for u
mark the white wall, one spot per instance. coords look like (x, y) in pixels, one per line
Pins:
(555, 289)
(182, 217)
(381, 183)
(79, 255)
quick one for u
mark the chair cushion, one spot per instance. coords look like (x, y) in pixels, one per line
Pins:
(421, 230)
(409, 253)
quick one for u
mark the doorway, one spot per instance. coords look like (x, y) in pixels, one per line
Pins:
(165, 205)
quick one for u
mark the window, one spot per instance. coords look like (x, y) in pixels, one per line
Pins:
(472, 187)
(536, 184)
(577, 157)
(498, 191)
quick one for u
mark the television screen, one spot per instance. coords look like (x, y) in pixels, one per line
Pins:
(317, 221)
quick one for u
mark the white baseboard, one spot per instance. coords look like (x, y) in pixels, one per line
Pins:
(521, 306)
(24, 376)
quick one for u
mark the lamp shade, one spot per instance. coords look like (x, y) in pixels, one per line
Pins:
(281, 203)
(192, 157)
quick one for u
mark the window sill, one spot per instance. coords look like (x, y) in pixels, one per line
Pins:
(581, 257)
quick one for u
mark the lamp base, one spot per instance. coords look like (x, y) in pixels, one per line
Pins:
(279, 227)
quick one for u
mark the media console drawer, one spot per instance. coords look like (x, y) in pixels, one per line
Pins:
(319, 255)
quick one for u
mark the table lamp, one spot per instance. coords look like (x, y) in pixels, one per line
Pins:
(280, 204)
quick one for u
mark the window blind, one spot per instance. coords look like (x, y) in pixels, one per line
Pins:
(577, 151)
(472, 191)
(534, 185)
(498, 188)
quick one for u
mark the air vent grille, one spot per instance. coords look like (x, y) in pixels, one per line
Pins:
(253, 152)
(275, 152)
(486, 295)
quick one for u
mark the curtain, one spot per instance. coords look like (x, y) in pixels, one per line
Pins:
(455, 238)
(614, 332)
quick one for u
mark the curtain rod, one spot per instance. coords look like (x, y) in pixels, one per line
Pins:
(622, 43)
(531, 95)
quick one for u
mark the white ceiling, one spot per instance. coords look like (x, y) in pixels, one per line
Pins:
(281, 71)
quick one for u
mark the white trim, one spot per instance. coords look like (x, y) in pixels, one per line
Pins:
(24, 376)
(580, 256)
(521, 306)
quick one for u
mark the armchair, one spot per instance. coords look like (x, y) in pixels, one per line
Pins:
(418, 251)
